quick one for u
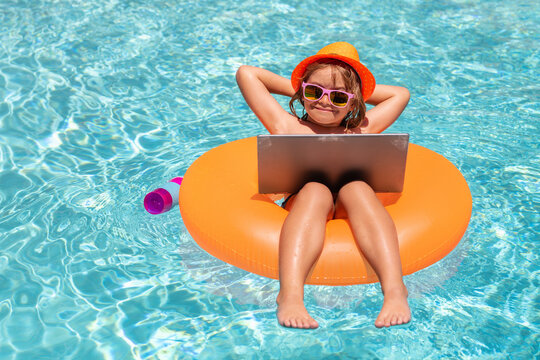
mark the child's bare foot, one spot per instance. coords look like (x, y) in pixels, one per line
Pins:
(395, 309)
(292, 313)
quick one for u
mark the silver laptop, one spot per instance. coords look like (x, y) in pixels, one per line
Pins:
(287, 162)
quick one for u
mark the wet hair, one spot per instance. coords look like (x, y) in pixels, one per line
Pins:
(352, 84)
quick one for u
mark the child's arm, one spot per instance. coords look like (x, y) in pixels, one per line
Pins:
(256, 86)
(389, 103)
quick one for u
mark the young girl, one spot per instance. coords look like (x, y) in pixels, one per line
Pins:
(333, 87)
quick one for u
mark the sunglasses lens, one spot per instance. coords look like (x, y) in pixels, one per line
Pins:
(339, 98)
(312, 92)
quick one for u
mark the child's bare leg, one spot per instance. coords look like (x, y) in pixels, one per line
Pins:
(300, 244)
(379, 243)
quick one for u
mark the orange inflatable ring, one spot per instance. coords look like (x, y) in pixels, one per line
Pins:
(227, 217)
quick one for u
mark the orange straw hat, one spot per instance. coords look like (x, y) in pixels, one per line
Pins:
(342, 51)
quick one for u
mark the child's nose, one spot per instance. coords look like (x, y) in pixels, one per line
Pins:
(325, 99)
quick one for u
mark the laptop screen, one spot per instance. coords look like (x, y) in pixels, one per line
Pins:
(287, 162)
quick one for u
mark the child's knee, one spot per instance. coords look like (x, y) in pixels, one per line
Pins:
(356, 190)
(356, 187)
(317, 193)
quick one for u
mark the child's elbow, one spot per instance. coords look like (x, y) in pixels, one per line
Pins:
(242, 72)
(403, 94)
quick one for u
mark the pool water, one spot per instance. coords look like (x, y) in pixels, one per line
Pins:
(102, 101)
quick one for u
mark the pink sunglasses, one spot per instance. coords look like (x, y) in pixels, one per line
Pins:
(314, 92)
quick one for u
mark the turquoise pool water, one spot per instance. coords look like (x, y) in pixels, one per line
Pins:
(103, 101)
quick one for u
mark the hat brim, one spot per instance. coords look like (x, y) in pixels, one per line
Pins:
(366, 77)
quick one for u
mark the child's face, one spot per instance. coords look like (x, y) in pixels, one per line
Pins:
(322, 112)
